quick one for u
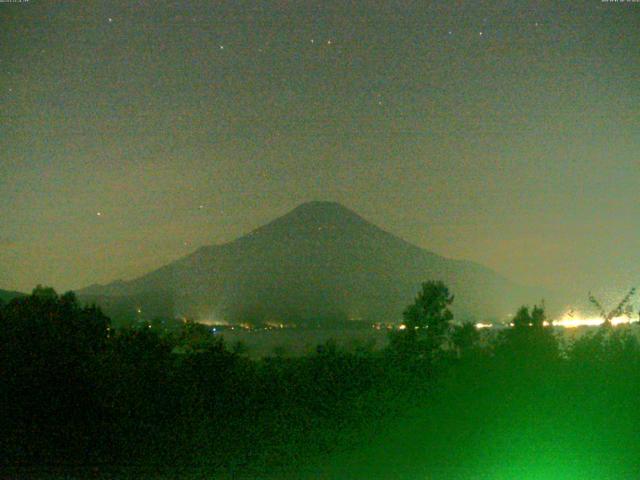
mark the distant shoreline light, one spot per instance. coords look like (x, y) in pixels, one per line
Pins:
(483, 325)
(574, 320)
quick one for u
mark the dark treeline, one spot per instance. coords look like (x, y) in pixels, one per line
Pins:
(441, 401)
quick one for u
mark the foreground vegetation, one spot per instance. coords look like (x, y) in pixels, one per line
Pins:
(441, 401)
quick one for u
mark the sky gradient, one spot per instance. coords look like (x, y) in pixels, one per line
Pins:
(503, 132)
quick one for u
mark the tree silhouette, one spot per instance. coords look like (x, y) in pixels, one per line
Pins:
(531, 341)
(48, 346)
(525, 319)
(465, 338)
(623, 307)
(427, 321)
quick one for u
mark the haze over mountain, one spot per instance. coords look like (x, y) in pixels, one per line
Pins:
(321, 261)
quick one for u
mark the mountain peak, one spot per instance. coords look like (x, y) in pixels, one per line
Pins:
(315, 216)
(320, 204)
(310, 215)
(322, 209)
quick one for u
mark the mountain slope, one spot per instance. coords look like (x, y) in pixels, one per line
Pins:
(320, 261)
(6, 296)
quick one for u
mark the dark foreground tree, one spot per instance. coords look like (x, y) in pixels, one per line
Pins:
(465, 338)
(531, 341)
(48, 345)
(427, 322)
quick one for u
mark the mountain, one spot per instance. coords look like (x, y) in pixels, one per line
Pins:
(6, 295)
(319, 262)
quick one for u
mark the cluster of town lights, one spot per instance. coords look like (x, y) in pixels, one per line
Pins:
(573, 319)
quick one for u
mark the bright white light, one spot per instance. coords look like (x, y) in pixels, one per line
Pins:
(483, 325)
(573, 319)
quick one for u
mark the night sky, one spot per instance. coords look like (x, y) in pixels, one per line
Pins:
(504, 132)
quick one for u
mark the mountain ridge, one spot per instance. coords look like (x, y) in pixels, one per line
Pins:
(319, 260)
(8, 295)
